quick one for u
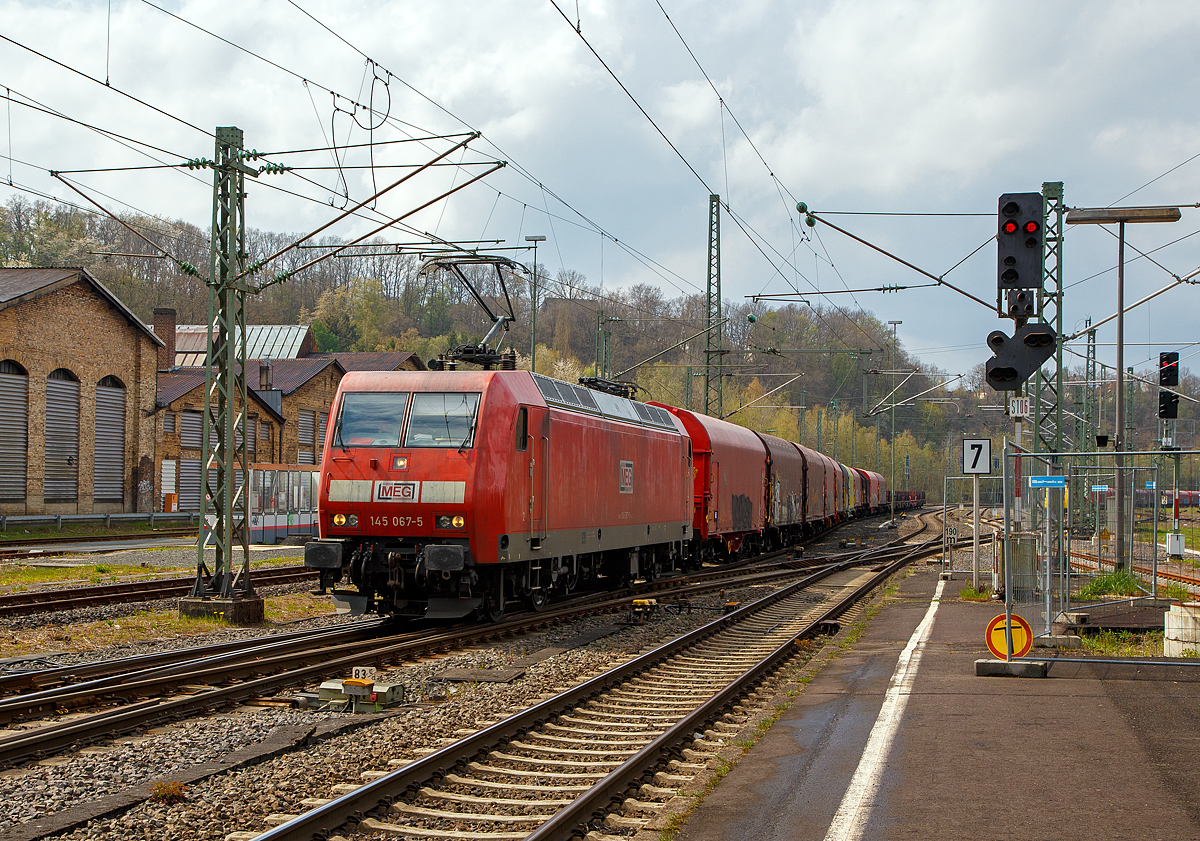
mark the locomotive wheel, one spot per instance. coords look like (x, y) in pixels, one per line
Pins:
(492, 609)
(491, 612)
(535, 600)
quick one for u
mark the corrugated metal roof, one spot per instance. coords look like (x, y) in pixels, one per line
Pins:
(263, 341)
(18, 285)
(383, 360)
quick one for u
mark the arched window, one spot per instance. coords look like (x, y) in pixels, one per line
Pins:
(14, 430)
(108, 475)
(62, 436)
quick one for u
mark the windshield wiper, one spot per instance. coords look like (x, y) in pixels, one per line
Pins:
(470, 436)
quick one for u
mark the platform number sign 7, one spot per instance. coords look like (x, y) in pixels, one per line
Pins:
(977, 456)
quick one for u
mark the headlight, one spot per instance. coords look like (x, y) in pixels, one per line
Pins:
(354, 521)
(458, 521)
(445, 521)
(339, 519)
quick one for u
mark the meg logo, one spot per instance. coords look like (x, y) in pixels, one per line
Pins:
(627, 477)
(396, 491)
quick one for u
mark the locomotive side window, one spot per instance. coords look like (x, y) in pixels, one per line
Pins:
(370, 419)
(442, 420)
(522, 429)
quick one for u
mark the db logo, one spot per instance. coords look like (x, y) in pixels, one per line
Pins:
(627, 477)
(396, 491)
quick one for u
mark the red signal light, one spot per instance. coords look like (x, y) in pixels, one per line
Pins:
(1009, 226)
(1031, 227)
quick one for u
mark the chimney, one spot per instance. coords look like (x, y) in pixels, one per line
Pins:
(164, 328)
(265, 377)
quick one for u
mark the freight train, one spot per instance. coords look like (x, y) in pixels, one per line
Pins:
(446, 493)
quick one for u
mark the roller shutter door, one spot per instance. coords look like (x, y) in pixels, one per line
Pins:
(191, 429)
(189, 484)
(306, 427)
(109, 472)
(14, 435)
(190, 491)
(62, 440)
(322, 422)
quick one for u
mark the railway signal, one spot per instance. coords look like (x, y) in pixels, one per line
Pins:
(1168, 368)
(1168, 405)
(1017, 358)
(1019, 253)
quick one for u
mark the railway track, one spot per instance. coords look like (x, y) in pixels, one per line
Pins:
(23, 548)
(143, 688)
(559, 768)
(35, 601)
(1091, 562)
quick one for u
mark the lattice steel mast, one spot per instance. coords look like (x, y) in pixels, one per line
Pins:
(713, 349)
(224, 444)
(1048, 392)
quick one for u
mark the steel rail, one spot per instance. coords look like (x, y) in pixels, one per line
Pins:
(593, 803)
(228, 666)
(22, 542)
(58, 737)
(41, 601)
(351, 808)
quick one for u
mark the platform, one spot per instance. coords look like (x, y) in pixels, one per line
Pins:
(1087, 752)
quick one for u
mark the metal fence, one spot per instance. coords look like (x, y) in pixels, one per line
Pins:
(1065, 551)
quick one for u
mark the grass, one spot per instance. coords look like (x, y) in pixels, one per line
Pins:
(143, 626)
(1175, 591)
(76, 529)
(970, 594)
(19, 576)
(1191, 534)
(1124, 644)
(1119, 583)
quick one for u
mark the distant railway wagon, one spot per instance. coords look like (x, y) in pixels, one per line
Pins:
(282, 501)
(443, 493)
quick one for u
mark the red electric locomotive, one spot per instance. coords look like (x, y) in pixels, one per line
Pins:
(444, 493)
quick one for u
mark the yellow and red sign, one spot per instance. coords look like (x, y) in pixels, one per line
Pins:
(1022, 636)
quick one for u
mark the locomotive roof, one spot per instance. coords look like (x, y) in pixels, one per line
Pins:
(580, 399)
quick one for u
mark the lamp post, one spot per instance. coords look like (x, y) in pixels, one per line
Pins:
(894, 324)
(1120, 215)
(535, 239)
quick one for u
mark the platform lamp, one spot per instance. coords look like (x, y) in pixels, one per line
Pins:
(894, 324)
(1120, 215)
(535, 239)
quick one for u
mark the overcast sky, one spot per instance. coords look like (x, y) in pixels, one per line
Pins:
(854, 107)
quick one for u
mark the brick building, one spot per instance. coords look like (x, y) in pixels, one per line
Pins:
(97, 415)
(179, 425)
(77, 393)
(289, 399)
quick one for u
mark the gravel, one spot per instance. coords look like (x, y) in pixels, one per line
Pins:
(242, 798)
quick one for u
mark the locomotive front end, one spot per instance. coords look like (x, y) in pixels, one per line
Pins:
(398, 493)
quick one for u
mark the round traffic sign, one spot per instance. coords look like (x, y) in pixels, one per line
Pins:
(1022, 636)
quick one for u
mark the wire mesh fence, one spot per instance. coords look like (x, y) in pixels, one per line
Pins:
(1095, 531)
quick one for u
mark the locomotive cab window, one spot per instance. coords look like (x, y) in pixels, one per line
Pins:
(370, 419)
(522, 429)
(442, 420)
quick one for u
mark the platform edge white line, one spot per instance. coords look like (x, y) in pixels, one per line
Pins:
(851, 817)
